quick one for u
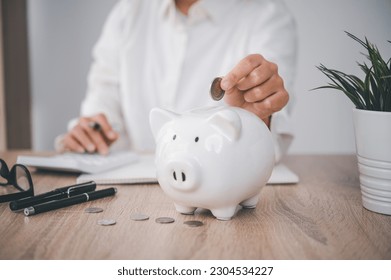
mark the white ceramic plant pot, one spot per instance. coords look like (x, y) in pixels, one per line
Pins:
(373, 144)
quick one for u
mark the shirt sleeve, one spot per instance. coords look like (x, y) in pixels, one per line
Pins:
(275, 38)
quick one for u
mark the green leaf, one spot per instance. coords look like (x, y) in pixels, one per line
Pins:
(372, 93)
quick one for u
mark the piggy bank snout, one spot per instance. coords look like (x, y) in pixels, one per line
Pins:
(183, 174)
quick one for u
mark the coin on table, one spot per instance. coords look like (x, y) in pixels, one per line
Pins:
(139, 217)
(216, 92)
(93, 210)
(164, 220)
(194, 223)
(106, 222)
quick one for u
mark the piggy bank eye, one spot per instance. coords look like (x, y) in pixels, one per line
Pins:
(196, 139)
(174, 137)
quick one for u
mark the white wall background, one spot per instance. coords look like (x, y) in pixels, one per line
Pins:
(62, 34)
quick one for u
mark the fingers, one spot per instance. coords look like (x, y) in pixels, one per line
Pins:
(84, 138)
(97, 140)
(71, 144)
(262, 91)
(241, 70)
(255, 85)
(234, 97)
(107, 130)
(268, 106)
(258, 76)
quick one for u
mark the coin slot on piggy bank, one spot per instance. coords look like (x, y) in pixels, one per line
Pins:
(214, 158)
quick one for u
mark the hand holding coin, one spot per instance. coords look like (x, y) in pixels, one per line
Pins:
(255, 85)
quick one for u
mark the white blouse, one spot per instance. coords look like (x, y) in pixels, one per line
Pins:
(150, 55)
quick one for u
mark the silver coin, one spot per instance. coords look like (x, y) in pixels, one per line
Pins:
(139, 217)
(216, 92)
(164, 220)
(194, 223)
(106, 222)
(93, 210)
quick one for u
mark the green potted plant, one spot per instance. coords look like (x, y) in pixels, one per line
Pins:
(372, 123)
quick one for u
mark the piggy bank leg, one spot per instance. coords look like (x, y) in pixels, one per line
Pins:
(251, 202)
(224, 214)
(185, 209)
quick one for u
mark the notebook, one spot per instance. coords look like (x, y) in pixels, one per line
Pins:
(143, 171)
(73, 162)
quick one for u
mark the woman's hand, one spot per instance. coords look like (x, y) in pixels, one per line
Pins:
(255, 85)
(90, 134)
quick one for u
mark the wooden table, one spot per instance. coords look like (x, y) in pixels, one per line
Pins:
(320, 218)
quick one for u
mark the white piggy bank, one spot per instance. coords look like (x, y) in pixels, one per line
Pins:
(213, 158)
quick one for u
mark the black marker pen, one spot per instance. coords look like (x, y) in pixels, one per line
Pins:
(77, 199)
(53, 195)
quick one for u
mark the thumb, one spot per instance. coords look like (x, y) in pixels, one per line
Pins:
(234, 97)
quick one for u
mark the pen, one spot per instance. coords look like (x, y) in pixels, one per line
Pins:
(98, 127)
(77, 199)
(53, 195)
(95, 126)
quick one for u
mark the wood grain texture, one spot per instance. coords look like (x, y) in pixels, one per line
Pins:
(320, 218)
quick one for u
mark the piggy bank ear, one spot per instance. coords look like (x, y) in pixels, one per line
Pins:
(228, 123)
(158, 118)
